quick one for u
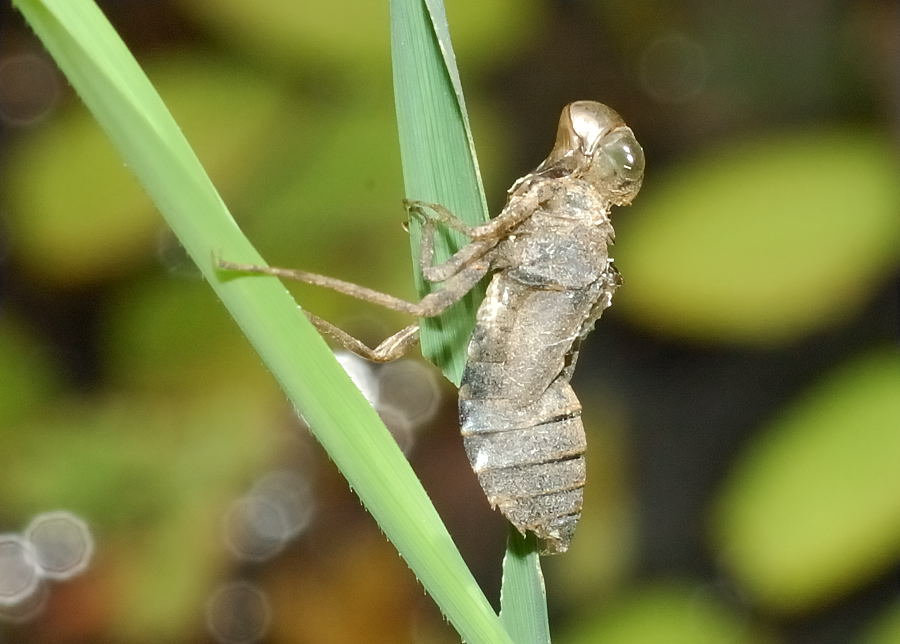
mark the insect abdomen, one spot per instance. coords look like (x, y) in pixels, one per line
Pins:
(520, 419)
(530, 460)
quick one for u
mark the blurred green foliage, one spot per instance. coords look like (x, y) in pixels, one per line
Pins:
(307, 39)
(670, 612)
(152, 475)
(761, 239)
(26, 371)
(170, 335)
(886, 628)
(83, 222)
(813, 510)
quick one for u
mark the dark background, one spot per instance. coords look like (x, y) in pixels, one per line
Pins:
(741, 398)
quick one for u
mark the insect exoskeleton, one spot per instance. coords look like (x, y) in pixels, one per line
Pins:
(553, 277)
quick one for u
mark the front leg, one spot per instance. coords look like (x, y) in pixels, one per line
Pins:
(518, 209)
(484, 237)
(469, 253)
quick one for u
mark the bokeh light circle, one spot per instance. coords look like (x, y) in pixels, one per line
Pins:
(62, 544)
(238, 613)
(19, 573)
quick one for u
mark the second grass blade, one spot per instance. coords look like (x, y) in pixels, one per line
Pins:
(439, 165)
(523, 598)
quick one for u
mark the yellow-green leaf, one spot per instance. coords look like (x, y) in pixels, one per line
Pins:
(812, 509)
(761, 242)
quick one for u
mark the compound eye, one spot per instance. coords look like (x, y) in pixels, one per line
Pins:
(624, 154)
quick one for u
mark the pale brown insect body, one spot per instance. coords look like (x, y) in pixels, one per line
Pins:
(553, 277)
(520, 419)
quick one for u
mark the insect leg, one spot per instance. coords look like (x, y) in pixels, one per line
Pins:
(397, 344)
(516, 211)
(437, 212)
(447, 269)
(341, 286)
(431, 305)
(390, 348)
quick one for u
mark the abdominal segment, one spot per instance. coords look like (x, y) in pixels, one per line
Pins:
(529, 459)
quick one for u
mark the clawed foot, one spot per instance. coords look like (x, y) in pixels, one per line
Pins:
(436, 213)
(423, 211)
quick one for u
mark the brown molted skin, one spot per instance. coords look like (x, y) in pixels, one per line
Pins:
(553, 278)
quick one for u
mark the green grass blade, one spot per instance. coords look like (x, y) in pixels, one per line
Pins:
(523, 598)
(121, 98)
(438, 17)
(439, 165)
(438, 158)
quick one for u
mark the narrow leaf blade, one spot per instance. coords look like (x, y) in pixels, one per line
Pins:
(523, 597)
(438, 158)
(440, 165)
